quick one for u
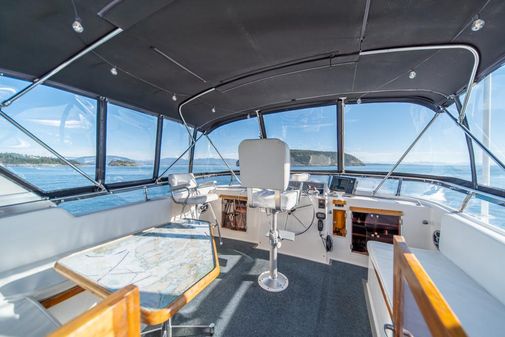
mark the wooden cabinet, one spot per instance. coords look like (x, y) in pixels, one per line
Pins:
(373, 224)
(234, 212)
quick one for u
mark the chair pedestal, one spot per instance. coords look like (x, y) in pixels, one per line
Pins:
(271, 280)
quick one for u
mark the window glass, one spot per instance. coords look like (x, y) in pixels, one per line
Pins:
(131, 142)
(441, 151)
(227, 139)
(368, 185)
(310, 133)
(442, 195)
(377, 134)
(488, 210)
(63, 120)
(175, 140)
(486, 117)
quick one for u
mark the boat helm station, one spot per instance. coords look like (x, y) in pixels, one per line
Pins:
(254, 168)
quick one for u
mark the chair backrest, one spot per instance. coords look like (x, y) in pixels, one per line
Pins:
(182, 180)
(264, 163)
(118, 315)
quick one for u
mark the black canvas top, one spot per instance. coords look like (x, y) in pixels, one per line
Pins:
(260, 55)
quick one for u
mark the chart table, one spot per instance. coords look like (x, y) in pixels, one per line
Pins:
(170, 264)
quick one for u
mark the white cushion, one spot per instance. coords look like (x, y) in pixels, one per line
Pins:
(264, 163)
(480, 313)
(479, 251)
(25, 317)
(195, 199)
(38, 280)
(182, 179)
(266, 199)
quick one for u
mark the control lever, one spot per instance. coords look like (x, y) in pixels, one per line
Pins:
(391, 328)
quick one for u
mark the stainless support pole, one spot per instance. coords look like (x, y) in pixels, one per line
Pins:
(62, 66)
(471, 80)
(273, 246)
(210, 141)
(477, 141)
(406, 152)
(50, 149)
(193, 143)
(224, 161)
(189, 100)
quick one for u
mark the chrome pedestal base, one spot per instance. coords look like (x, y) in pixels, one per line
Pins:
(274, 285)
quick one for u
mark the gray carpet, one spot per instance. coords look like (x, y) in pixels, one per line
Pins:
(320, 301)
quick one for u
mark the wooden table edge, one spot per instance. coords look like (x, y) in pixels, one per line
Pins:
(149, 317)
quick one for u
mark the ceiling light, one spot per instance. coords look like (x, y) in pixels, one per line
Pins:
(412, 74)
(113, 71)
(358, 101)
(77, 25)
(213, 109)
(478, 24)
(174, 97)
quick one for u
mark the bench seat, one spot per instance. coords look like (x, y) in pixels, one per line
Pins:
(25, 317)
(38, 280)
(480, 313)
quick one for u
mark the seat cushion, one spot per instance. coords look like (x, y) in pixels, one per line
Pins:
(38, 280)
(480, 313)
(25, 317)
(182, 179)
(266, 199)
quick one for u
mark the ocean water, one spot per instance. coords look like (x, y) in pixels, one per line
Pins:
(50, 178)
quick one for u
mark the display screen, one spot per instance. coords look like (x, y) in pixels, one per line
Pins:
(343, 184)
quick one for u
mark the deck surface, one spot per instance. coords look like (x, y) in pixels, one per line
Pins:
(321, 300)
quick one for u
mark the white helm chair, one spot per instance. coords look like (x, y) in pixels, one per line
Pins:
(186, 191)
(265, 170)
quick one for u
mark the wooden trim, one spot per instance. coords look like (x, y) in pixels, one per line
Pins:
(376, 211)
(61, 297)
(339, 203)
(235, 197)
(117, 315)
(150, 317)
(439, 317)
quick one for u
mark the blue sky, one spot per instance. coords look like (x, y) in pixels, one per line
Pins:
(376, 133)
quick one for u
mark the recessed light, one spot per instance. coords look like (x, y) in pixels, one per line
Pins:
(174, 97)
(213, 110)
(478, 24)
(77, 25)
(412, 74)
(113, 71)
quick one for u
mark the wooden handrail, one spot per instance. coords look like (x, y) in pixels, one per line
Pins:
(118, 315)
(439, 317)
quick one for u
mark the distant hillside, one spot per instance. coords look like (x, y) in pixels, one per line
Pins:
(118, 162)
(90, 160)
(9, 158)
(321, 158)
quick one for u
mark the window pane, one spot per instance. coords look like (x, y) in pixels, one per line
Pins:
(227, 139)
(310, 133)
(64, 121)
(445, 196)
(368, 185)
(377, 134)
(486, 117)
(131, 142)
(488, 210)
(441, 151)
(175, 141)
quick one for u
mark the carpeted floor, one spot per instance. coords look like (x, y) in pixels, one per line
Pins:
(320, 301)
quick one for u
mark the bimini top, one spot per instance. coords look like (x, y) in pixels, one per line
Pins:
(257, 54)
